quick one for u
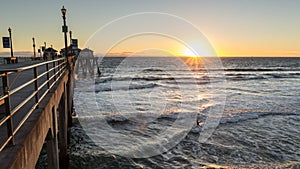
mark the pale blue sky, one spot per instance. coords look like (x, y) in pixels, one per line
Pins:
(234, 27)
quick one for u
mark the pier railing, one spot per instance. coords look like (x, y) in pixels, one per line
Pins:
(27, 95)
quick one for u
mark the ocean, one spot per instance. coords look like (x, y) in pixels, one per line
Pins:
(171, 112)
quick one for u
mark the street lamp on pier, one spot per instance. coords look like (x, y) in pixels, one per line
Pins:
(65, 29)
(33, 41)
(70, 37)
(71, 45)
(10, 39)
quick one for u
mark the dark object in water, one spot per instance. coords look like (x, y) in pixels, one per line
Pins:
(98, 70)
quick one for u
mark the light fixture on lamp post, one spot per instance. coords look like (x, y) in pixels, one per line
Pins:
(65, 29)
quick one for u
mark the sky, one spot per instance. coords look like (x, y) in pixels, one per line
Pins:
(177, 27)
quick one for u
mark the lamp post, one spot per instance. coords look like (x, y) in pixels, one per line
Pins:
(65, 121)
(40, 52)
(10, 39)
(33, 41)
(65, 29)
(43, 50)
(70, 37)
(71, 46)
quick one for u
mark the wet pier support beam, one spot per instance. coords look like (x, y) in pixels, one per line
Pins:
(52, 143)
(70, 94)
(63, 130)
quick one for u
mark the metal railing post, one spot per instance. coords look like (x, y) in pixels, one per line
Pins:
(54, 71)
(36, 85)
(48, 75)
(9, 122)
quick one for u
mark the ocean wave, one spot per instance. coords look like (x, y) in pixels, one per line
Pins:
(260, 69)
(235, 69)
(153, 70)
(173, 80)
(238, 78)
(129, 78)
(204, 79)
(294, 74)
(254, 115)
(201, 117)
(254, 76)
(241, 90)
(282, 75)
(130, 87)
(153, 78)
(192, 82)
(127, 117)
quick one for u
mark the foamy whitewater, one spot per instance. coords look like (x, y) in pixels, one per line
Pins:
(168, 112)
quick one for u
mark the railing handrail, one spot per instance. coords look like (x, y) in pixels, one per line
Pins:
(21, 69)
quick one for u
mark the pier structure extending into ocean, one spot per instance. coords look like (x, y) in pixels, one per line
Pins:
(36, 108)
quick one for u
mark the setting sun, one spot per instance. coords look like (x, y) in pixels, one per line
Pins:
(189, 52)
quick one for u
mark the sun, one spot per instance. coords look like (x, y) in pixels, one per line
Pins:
(192, 59)
(188, 52)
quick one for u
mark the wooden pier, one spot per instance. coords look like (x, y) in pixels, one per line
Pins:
(36, 107)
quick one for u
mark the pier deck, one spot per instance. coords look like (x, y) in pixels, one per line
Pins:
(37, 119)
